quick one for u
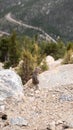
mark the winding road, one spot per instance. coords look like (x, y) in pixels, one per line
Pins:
(10, 19)
(2, 33)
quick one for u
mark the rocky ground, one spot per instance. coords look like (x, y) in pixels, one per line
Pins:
(48, 108)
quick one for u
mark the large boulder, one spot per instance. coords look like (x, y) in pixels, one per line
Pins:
(58, 77)
(10, 85)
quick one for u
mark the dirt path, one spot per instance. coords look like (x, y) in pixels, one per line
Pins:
(10, 19)
(2, 33)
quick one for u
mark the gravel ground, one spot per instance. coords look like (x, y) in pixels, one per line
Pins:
(48, 107)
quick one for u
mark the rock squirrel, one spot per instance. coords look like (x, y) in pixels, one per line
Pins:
(35, 80)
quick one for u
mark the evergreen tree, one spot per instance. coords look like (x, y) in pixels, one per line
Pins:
(44, 65)
(14, 52)
(26, 69)
(4, 49)
(68, 57)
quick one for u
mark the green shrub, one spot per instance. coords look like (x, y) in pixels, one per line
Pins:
(68, 58)
(26, 69)
(7, 64)
(44, 65)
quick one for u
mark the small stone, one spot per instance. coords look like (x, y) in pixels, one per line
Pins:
(66, 97)
(6, 124)
(19, 121)
(59, 122)
(2, 108)
(52, 125)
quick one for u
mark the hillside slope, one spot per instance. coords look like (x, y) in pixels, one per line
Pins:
(53, 16)
(48, 108)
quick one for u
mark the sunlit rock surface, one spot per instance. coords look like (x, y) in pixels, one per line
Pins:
(10, 85)
(57, 77)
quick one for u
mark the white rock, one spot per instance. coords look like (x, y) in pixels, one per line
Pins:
(10, 85)
(19, 121)
(2, 108)
(53, 63)
(52, 125)
(49, 60)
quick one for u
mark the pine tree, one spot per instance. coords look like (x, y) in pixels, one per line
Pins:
(4, 49)
(26, 69)
(14, 50)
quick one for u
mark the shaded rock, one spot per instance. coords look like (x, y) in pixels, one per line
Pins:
(61, 125)
(19, 121)
(48, 128)
(6, 123)
(10, 85)
(3, 116)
